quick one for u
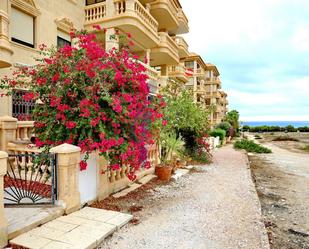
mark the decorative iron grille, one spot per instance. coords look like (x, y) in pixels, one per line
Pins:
(20, 107)
(30, 179)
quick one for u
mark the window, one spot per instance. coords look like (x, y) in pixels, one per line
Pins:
(189, 64)
(22, 26)
(21, 108)
(89, 2)
(63, 39)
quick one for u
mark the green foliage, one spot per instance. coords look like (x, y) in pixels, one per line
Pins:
(251, 146)
(285, 138)
(181, 111)
(185, 117)
(233, 118)
(275, 128)
(171, 144)
(224, 126)
(218, 133)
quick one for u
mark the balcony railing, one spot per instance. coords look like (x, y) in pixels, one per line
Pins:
(182, 45)
(167, 41)
(99, 12)
(95, 12)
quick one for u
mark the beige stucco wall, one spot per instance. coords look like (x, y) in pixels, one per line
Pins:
(46, 30)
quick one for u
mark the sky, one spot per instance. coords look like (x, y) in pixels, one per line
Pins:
(261, 48)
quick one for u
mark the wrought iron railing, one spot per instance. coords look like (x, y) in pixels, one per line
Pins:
(30, 179)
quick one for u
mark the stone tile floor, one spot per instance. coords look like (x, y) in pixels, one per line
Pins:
(86, 228)
(23, 219)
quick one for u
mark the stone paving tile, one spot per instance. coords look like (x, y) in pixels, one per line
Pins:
(30, 241)
(124, 192)
(47, 232)
(62, 226)
(72, 219)
(146, 179)
(97, 216)
(57, 245)
(86, 228)
(120, 220)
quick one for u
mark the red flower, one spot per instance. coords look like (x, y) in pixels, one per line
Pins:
(97, 27)
(56, 77)
(70, 125)
(28, 96)
(83, 165)
(41, 81)
(164, 122)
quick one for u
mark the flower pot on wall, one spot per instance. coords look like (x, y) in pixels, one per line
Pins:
(164, 173)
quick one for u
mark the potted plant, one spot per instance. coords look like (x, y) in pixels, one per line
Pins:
(170, 147)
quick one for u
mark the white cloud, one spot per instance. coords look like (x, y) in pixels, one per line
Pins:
(300, 39)
(261, 48)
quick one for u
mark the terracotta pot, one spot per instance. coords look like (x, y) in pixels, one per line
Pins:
(164, 173)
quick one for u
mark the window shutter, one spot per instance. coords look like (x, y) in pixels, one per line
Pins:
(22, 26)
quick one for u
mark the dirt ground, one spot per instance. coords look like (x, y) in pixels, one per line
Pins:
(282, 182)
(213, 207)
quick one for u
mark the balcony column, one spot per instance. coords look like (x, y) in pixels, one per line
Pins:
(148, 7)
(5, 46)
(3, 221)
(112, 39)
(147, 55)
(163, 70)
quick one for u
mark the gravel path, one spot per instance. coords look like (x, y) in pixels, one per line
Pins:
(215, 207)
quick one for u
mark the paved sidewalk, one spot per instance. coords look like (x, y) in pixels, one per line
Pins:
(86, 228)
(214, 208)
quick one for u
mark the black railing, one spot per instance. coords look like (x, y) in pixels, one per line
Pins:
(20, 107)
(30, 179)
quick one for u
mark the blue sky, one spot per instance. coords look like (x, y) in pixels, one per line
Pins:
(261, 48)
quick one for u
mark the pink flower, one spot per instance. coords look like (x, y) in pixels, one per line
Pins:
(56, 77)
(164, 122)
(94, 122)
(83, 165)
(97, 27)
(70, 125)
(41, 81)
(28, 96)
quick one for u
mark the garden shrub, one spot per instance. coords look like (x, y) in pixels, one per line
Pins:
(224, 126)
(92, 98)
(218, 133)
(285, 138)
(187, 119)
(251, 146)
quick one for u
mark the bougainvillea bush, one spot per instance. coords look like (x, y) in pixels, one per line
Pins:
(92, 98)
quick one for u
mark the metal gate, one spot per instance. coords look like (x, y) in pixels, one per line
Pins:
(30, 179)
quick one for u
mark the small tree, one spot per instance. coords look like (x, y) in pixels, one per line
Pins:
(92, 98)
(233, 118)
(185, 118)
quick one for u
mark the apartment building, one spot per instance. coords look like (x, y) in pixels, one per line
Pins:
(155, 26)
(205, 83)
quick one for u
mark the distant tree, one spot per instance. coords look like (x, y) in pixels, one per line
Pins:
(233, 118)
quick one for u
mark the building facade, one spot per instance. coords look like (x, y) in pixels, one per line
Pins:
(155, 26)
(205, 83)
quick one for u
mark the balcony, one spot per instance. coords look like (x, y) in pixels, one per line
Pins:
(165, 12)
(130, 16)
(183, 48)
(183, 27)
(178, 72)
(213, 80)
(200, 72)
(166, 53)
